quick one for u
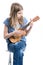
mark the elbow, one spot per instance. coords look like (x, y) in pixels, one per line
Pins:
(5, 37)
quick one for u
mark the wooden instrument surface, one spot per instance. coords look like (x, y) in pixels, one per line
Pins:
(16, 39)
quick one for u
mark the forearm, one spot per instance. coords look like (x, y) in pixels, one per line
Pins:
(15, 34)
(30, 27)
(8, 35)
(27, 31)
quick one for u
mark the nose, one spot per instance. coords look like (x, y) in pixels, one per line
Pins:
(21, 14)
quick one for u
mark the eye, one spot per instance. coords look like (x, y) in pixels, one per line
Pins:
(19, 13)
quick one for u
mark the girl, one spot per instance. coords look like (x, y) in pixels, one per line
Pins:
(11, 26)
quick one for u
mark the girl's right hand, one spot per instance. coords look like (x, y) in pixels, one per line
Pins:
(19, 33)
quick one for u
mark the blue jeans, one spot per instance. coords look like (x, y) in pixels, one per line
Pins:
(17, 49)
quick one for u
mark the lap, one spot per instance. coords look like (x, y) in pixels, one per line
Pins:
(17, 46)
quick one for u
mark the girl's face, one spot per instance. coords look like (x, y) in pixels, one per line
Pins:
(19, 14)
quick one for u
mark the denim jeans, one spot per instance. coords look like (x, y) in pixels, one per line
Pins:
(18, 52)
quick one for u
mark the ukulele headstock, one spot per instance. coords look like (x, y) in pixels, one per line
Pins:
(36, 18)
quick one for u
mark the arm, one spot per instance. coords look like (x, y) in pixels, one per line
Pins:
(28, 30)
(18, 33)
(6, 34)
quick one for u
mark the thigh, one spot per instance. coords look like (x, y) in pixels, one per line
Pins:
(20, 45)
(11, 47)
(17, 46)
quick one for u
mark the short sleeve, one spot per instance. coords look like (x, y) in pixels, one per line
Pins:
(6, 22)
(25, 21)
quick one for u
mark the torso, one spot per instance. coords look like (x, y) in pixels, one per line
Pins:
(11, 29)
(17, 26)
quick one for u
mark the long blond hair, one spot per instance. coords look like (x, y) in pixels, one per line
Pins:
(15, 7)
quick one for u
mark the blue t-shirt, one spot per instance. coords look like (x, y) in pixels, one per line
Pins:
(11, 29)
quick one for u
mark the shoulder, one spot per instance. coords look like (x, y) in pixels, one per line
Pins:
(25, 20)
(6, 22)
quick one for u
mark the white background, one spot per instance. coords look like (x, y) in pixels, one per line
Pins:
(34, 50)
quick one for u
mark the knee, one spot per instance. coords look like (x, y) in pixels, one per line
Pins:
(21, 52)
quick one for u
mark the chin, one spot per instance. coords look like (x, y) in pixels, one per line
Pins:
(19, 18)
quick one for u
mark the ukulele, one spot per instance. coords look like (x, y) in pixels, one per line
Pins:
(17, 39)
